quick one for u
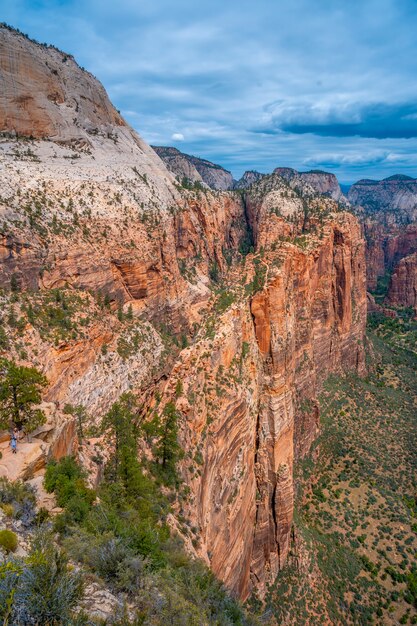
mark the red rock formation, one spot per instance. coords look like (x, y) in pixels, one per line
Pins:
(390, 218)
(264, 328)
(402, 289)
(386, 246)
(242, 412)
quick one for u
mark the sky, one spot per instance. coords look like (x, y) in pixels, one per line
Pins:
(324, 84)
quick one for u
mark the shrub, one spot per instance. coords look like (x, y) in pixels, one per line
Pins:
(67, 481)
(18, 500)
(39, 589)
(109, 556)
(8, 510)
(8, 540)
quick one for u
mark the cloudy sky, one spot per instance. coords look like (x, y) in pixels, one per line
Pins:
(327, 84)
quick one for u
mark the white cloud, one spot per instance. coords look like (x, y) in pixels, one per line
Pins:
(177, 137)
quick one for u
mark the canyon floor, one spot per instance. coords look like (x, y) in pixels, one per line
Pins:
(353, 559)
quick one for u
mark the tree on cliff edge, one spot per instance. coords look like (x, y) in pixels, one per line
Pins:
(167, 450)
(20, 392)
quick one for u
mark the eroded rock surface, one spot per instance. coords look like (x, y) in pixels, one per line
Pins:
(249, 301)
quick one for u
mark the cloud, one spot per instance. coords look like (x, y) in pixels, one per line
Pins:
(356, 159)
(377, 120)
(177, 137)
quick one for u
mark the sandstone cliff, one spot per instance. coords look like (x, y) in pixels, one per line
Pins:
(48, 94)
(249, 301)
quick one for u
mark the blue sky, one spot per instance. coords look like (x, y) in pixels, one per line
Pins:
(327, 84)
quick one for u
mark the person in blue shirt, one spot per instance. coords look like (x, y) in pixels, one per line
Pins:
(13, 441)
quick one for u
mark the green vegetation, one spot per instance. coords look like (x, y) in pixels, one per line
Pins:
(57, 314)
(8, 540)
(353, 560)
(122, 534)
(39, 589)
(400, 331)
(381, 288)
(167, 450)
(80, 413)
(68, 483)
(258, 282)
(20, 390)
(191, 185)
(18, 500)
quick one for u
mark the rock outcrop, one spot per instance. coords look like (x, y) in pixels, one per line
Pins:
(402, 289)
(195, 169)
(249, 301)
(249, 178)
(322, 182)
(250, 388)
(395, 197)
(48, 95)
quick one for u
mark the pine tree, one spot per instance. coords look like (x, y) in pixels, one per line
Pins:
(20, 390)
(168, 451)
(119, 422)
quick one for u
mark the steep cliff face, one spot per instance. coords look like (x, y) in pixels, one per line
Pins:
(322, 182)
(394, 196)
(389, 216)
(195, 169)
(179, 164)
(267, 290)
(48, 95)
(402, 289)
(250, 383)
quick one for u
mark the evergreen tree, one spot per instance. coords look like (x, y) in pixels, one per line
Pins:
(20, 390)
(119, 422)
(167, 450)
(82, 417)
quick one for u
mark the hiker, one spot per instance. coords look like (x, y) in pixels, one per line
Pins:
(13, 442)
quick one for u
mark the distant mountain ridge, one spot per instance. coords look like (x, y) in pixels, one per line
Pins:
(195, 169)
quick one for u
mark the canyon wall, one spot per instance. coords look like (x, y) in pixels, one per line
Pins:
(249, 301)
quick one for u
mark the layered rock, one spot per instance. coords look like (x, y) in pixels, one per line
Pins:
(195, 169)
(395, 196)
(48, 95)
(249, 402)
(179, 164)
(267, 290)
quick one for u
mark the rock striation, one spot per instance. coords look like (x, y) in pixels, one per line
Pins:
(249, 299)
(48, 95)
(402, 289)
